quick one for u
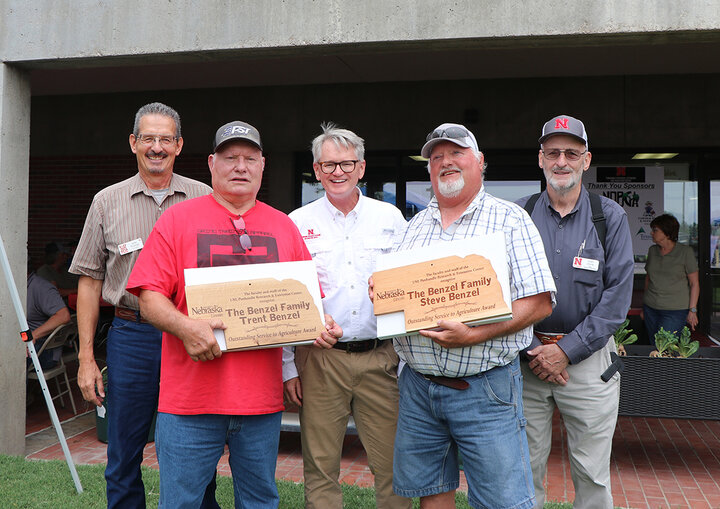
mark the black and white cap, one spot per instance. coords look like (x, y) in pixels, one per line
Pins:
(237, 130)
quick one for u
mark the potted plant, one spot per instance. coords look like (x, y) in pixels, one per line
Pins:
(676, 379)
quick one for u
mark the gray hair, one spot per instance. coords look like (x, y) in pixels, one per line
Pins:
(343, 138)
(478, 155)
(157, 109)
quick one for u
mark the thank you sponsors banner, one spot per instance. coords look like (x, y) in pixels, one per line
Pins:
(639, 190)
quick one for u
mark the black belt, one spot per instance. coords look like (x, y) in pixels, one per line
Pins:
(360, 346)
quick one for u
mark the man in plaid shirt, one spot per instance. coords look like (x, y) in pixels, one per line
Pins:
(462, 387)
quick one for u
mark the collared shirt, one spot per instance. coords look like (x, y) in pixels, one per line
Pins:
(345, 250)
(527, 268)
(590, 304)
(119, 214)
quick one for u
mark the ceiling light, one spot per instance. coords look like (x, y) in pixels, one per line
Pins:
(655, 155)
(419, 159)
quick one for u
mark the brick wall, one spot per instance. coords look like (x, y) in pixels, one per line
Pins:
(62, 188)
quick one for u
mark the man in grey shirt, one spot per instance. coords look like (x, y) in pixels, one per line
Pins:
(571, 348)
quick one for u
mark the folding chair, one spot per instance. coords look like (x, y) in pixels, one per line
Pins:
(57, 339)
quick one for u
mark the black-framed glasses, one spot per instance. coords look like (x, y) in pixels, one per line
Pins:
(149, 139)
(239, 226)
(329, 166)
(453, 132)
(570, 154)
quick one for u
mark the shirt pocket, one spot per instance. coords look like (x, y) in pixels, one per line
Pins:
(591, 277)
(321, 252)
(374, 246)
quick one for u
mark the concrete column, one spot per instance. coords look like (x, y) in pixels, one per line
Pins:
(14, 169)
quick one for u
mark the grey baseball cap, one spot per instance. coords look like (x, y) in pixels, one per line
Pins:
(455, 133)
(237, 130)
(564, 124)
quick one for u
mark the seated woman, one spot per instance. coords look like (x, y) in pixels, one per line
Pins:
(671, 283)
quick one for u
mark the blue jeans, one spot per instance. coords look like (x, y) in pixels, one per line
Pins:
(485, 423)
(672, 320)
(190, 446)
(133, 360)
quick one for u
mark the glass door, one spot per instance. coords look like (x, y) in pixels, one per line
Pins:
(715, 258)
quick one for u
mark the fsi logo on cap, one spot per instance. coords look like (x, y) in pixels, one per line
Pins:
(561, 123)
(235, 129)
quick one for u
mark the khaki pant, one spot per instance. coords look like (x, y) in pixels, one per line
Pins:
(589, 409)
(336, 384)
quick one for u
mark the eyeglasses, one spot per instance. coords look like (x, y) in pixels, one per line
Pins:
(450, 132)
(239, 226)
(570, 154)
(329, 166)
(149, 139)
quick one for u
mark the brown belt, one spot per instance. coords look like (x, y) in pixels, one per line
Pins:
(549, 339)
(359, 346)
(453, 383)
(129, 314)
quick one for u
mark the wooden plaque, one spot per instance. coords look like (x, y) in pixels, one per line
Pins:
(258, 313)
(264, 305)
(450, 288)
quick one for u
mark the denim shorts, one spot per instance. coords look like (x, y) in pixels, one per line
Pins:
(485, 423)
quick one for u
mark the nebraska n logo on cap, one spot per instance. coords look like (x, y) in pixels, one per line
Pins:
(564, 124)
(561, 123)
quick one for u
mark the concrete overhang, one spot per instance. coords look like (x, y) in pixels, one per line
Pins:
(691, 52)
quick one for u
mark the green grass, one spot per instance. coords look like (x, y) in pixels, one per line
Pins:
(28, 484)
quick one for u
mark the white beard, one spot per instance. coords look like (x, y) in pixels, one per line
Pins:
(451, 189)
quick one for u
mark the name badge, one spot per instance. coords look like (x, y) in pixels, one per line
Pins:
(585, 263)
(129, 247)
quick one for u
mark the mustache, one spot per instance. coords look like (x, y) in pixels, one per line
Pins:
(452, 168)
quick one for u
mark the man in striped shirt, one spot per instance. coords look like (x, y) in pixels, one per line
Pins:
(462, 388)
(119, 221)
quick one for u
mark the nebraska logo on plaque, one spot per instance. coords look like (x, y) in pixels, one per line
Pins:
(417, 288)
(263, 305)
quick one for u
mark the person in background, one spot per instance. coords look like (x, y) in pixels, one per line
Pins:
(55, 269)
(46, 311)
(672, 286)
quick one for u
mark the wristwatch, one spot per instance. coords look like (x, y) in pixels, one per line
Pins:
(693, 310)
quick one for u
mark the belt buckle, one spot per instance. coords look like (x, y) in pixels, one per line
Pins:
(548, 339)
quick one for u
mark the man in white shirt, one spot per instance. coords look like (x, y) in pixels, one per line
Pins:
(345, 231)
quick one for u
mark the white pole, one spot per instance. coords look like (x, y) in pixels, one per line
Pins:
(25, 335)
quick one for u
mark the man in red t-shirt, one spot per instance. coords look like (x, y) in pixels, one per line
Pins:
(236, 398)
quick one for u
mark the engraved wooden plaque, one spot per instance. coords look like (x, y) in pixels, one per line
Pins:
(259, 312)
(464, 289)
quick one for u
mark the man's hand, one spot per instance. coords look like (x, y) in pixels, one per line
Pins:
(451, 335)
(371, 289)
(199, 339)
(89, 378)
(330, 335)
(197, 335)
(548, 362)
(293, 391)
